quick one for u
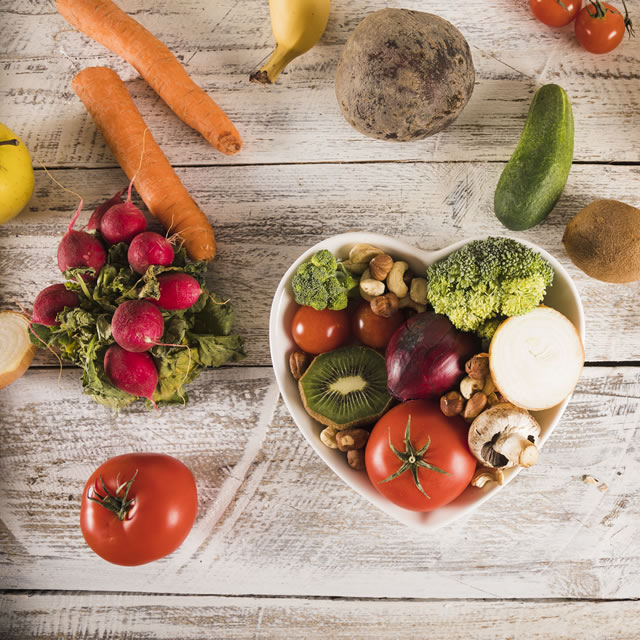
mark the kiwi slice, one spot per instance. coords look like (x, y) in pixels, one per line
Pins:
(346, 388)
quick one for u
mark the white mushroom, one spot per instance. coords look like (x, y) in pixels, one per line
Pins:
(505, 436)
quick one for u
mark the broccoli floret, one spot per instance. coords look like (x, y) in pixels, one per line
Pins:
(485, 279)
(323, 282)
(489, 327)
(325, 260)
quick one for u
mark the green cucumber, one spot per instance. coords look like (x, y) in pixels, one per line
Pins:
(534, 177)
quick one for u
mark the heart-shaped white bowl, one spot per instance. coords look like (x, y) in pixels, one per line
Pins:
(562, 295)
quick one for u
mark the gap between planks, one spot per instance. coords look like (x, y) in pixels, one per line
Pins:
(240, 365)
(248, 596)
(207, 165)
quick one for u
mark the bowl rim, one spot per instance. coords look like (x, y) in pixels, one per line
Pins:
(283, 300)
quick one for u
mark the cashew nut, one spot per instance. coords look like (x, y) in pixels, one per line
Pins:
(363, 252)
(407, 302)
(418, 290)
(395, 279)
(487, 474)
(355, 267)
(328, 437)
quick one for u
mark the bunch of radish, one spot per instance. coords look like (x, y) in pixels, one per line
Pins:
(136, 325)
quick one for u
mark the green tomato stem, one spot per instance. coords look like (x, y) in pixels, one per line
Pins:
(412, 460)
(600, 10)
(119, 505)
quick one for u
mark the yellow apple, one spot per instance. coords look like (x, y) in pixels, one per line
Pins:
(16, 175)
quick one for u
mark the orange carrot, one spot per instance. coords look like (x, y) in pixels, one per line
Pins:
(103, 21)
(116, 116)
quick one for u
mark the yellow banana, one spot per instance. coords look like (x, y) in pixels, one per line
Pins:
(297, 25)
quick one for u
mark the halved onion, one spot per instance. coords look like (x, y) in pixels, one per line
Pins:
(536, 358)
(16, 351)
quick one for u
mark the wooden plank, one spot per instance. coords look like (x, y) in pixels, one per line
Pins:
(273, 520)
(298, 119)
(271, 214)
(52, 616)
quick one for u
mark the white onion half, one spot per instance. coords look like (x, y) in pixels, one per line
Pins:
(536, 359)
(16, 351)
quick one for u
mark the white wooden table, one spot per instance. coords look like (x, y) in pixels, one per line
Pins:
(281, 547)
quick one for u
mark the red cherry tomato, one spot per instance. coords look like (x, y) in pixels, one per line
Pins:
(320, 331)
(555, 13)
(373, 330)
(600, 27)
(421, 434)
(138, 507)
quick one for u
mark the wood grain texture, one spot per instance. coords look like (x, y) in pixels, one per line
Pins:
(298, 119)
(281, 547)
(99, 616)
(271, 214)
(274, 520)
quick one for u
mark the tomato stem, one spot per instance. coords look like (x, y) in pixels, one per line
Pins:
(562, 4)
(412, 460)
(600, 10)
(627, 20)
(119, 505)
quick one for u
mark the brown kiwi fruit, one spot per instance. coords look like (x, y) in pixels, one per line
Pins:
(346, 387)
(604, 241)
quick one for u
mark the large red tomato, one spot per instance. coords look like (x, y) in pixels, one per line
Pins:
(418, 458)
(138, 507)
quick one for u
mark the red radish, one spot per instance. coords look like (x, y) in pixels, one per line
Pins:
(177, 291)
(80, 249)
(50, 301)
(137, 325)
(131, 372)
(122, 222)
(149, 248)
(96, 216)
